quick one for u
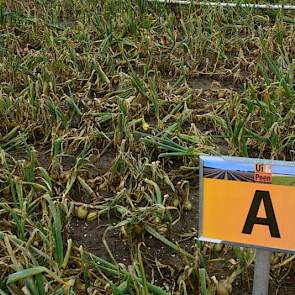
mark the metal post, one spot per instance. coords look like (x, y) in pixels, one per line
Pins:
(228, 4)
(261, 272)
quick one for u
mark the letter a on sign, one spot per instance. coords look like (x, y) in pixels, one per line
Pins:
(247, 202)
(270, 220)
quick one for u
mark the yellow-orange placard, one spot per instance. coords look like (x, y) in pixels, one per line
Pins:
(228, 212)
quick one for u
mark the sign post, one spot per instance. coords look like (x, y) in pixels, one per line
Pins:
(248, 202)
(261, 272)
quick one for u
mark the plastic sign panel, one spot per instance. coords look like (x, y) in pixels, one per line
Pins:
(247, 202)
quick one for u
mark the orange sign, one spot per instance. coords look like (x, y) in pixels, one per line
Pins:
(239, 207)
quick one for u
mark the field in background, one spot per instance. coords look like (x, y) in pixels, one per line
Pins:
(105, 107)
(284, 180)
